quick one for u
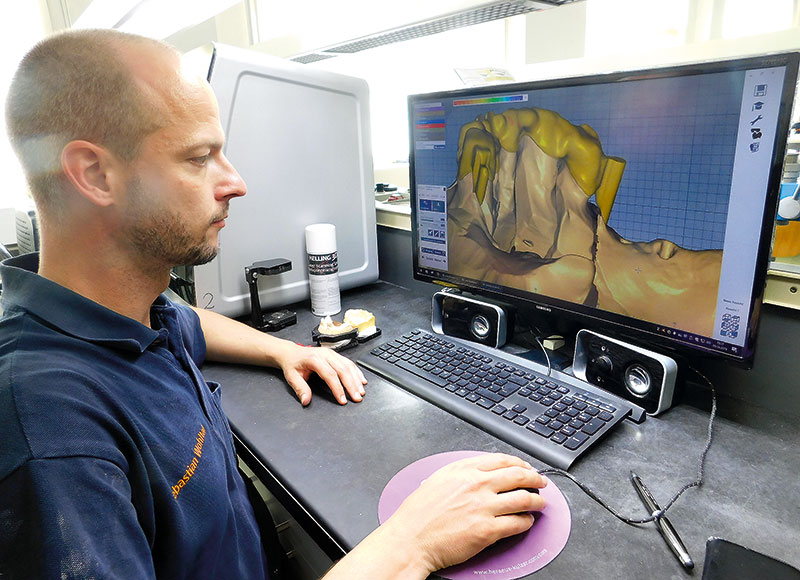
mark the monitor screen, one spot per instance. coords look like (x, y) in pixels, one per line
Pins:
(644, 201)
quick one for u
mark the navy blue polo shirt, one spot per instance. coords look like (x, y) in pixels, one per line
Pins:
(116, 460)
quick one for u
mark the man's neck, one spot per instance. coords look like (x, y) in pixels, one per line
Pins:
(111, 281)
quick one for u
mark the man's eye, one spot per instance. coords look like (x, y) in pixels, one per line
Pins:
(200, 160)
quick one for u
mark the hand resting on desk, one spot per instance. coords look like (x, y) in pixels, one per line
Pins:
(457, 512)
(230, 341)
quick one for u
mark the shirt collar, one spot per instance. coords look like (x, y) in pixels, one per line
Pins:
(73, 314)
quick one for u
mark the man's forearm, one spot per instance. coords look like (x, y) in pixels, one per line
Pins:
(228, 340)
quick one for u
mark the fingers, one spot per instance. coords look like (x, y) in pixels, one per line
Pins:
(519, 501)
(511, 480)
(340, 374)
(299, 386)
(468, 505)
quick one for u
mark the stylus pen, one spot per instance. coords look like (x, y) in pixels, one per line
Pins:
(664, 526)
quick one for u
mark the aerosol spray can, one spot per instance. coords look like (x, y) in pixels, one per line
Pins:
(323, 269)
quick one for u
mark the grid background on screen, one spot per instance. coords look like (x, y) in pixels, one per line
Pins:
(677, 136)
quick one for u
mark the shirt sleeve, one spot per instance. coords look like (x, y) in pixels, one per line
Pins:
(70, 518)
(192, 332)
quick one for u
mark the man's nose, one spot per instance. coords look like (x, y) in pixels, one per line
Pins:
(231, 183)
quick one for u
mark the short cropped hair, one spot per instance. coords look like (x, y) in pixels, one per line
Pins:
(75, 86)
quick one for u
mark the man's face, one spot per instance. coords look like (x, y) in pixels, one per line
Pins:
(181, 183)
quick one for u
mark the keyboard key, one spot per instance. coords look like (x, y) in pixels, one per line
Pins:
(558, 437)
(490, 395)
(499, 409)
(576, 441)
(485, 403)
(508, 391)
(472, 397)
(576, 424)
(521, 420)
(425, 375)
(593, 426)
(605, 416)
(520, 408)
(540, 429)
(510, 415)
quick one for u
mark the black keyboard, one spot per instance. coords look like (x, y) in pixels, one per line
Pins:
(554, 420)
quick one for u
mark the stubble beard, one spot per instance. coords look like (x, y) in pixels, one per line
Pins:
(163, 238)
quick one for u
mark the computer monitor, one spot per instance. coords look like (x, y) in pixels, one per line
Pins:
(300, 138)
(640, 203)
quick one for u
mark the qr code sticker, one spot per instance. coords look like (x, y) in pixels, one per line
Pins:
(730, 325)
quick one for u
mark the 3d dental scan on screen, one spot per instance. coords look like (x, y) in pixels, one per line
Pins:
(645, 200)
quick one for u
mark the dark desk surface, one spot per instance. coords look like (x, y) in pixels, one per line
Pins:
(329, 464)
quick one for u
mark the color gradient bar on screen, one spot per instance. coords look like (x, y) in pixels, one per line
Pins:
(490, 100)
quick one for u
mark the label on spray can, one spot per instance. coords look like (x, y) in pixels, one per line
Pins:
(323, 277)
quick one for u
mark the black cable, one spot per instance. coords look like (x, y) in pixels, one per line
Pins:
(660, 513)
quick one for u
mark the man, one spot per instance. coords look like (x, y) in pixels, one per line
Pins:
(116, 460)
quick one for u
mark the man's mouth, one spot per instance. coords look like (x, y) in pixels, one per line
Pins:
(219, 219)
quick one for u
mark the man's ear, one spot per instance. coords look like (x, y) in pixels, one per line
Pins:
(94, 171)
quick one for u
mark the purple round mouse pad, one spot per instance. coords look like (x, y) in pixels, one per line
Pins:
(507, 559)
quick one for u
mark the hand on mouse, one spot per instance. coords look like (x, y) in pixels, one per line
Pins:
(457, 512)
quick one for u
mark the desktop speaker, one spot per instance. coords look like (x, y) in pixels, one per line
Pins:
(479, 320)
(638, 375)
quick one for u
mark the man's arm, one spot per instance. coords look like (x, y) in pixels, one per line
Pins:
(71, 517)
(230, 341)
(453, 515)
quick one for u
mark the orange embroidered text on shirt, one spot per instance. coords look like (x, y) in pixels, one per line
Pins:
(197, 451)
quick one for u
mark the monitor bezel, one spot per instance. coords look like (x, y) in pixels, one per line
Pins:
(624, 326)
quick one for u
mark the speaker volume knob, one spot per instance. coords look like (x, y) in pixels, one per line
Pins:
(604, 364)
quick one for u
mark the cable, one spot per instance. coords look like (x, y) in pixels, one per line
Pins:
(535, 332)
(658, 514)
(546, 356)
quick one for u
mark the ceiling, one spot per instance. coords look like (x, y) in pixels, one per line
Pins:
(307, 31)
